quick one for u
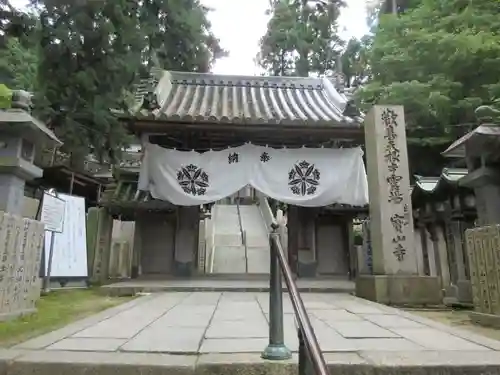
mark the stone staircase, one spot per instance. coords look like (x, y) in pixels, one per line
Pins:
(233, 255)
(229, 251)
(257, 239)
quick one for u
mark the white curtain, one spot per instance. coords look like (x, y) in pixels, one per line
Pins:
(310, 177)
(190, 178)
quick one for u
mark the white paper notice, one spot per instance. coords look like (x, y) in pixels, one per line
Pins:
(53, 209)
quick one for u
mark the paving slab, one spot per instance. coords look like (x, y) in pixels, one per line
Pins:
(225, 332)
(435, 340)
(166, 340)
(54, 336)
(337, 315)
(129, 323)
(238, 329)
(391, 321)
(359, 308)
(86, 344)
(362, 329)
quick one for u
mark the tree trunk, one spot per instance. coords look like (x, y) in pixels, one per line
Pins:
(302, 66)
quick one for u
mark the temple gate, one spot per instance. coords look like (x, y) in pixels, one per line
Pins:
(246, 120)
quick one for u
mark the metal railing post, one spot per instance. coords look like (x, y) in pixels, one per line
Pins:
(305, 367)
(276, 350)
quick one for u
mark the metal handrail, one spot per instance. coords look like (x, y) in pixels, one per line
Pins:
(310, 342)
(244, 239)
(243, 233)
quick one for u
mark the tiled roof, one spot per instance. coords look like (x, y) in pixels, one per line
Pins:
(434, 185)
(476, 138)
(124, 193)
(197, 97)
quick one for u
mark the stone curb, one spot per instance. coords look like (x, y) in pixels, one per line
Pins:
(15, 362)
(115, 291)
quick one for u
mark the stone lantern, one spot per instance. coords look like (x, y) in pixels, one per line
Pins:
(20, 136)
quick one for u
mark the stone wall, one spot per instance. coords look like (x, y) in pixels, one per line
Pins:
(21, 245)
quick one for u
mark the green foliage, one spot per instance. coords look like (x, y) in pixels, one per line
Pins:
(90, 54)
(5, 97)
(181, 26)
(82, 58)
(15, 23)
(354, 61)
(18, 65)
(301, 38)
(438, 59)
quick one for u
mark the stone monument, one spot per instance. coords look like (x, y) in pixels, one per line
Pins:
(395, 278)
(21, 240)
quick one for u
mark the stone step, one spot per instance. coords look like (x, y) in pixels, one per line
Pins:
(227, 239)
(54, 362)
(254, 226)
(258, 259)
(257, 241)
(228, 282)
(229, 259)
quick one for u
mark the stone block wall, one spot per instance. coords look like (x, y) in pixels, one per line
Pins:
(21, 245)
(483, 251)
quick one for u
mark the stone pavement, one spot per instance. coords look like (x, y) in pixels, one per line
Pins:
(188, 331)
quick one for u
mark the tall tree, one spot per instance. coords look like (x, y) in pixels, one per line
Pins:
(92, 52)
(181, 26)
(15, 23)
(18, 47)
(440, 60)
(301, 37)
(354, 61)
(18, 65)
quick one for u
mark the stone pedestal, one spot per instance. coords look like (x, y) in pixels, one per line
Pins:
(395, 276)
(399, 289)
